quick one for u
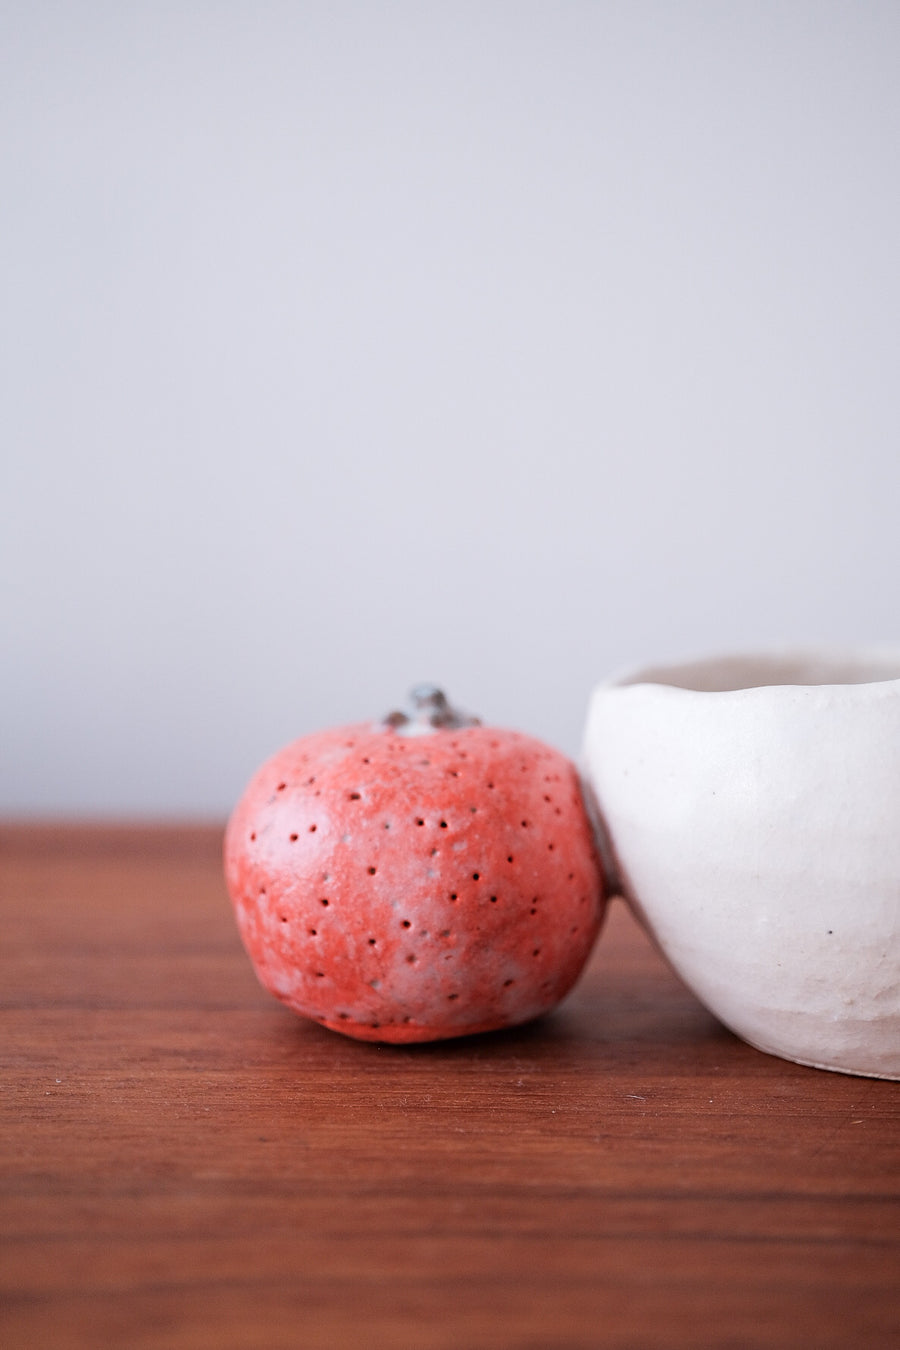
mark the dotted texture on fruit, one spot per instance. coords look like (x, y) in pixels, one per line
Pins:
(412, 888)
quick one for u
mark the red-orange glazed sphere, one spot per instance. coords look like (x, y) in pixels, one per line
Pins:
(412, 887)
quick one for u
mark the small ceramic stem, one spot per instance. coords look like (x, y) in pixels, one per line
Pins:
(430, 711)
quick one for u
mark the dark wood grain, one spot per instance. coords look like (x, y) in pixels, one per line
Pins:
(186, 1164)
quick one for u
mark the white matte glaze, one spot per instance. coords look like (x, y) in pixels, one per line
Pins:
(752, 808)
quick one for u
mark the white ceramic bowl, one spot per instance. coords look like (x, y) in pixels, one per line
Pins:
(752, 809)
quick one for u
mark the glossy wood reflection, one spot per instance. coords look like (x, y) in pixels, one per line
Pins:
(186, 1164)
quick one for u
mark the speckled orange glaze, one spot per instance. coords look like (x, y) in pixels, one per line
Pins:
(412, 888)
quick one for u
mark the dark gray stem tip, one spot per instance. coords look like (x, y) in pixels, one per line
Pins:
(430, 710)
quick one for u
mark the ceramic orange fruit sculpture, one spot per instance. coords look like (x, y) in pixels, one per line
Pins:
(416, 879)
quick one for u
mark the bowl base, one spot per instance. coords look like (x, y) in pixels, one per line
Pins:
(817, 1064)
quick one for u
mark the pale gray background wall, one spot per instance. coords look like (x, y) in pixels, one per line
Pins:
(350, 344)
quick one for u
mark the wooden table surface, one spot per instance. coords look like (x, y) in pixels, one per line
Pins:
(187, 1164)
